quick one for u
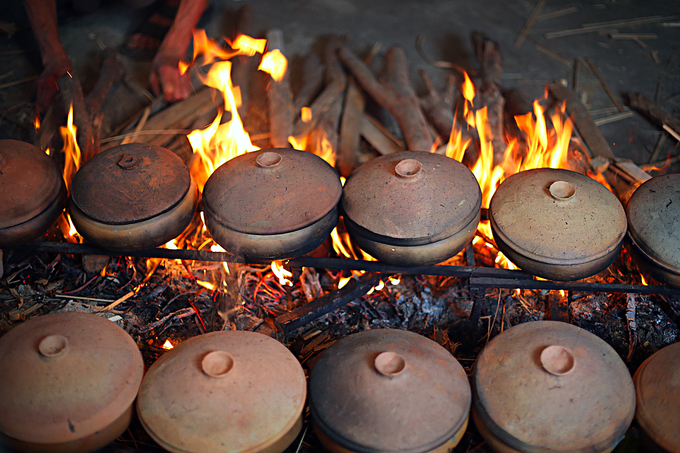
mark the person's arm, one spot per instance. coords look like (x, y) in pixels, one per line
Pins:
(165, 77)
(42, 14)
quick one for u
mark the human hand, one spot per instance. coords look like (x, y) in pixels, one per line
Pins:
(165, 78)
(47, 82)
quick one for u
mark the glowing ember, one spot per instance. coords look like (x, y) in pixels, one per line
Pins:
(167, 345)
(394, 280)
(275, 64)
(281, 273)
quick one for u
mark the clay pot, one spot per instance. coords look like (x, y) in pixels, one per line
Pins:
(229, 391)
(557, 224)
(411, 208)
(654, 227)
(272, 204)
(390, 391)
(132, 197)
(548, 386)
(32, 192)
(658, 402)
(68, 383)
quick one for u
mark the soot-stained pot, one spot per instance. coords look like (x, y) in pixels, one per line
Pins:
(390, 391)
(132, 197)
(654, 227)
(557, 224)
(272, 204)
(229, 391)
(411, 208)
(69, 381)
(657, 387)
(547, 386)
(32, 192)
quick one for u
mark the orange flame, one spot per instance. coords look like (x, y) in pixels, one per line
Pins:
(71, 149)
(275, 64)
(282, 273)
(315, 142)
(167, 345)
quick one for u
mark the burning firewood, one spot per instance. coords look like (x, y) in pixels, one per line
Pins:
(280, 97)
(396, 95)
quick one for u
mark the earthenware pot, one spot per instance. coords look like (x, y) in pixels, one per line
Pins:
(654, 227)
(411, 208)
(557, 224)
(132, 197)
(32, 192)
(658, 402)
(272, 204)
(548, 386)
(390, 391)
(229, 391)
(68, 383)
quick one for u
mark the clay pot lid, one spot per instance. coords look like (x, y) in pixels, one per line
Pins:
(557, 216)
(230, 391)
(29, 182)
(548, 386)
(388, 390)
(66, 376)
(130, 183)
(272, 191)
(654, 220)
(656, 384)
(412, 195)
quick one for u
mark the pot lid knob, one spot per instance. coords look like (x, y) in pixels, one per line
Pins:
(408, 169)
(129, 161)
(268, 159)
(217, 364)
(53, 346)
(389, 364)
(557, 360)
(562, 190)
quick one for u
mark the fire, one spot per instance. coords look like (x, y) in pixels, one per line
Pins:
(282, 274)
(71, 149)
(306, 114)
(167, 345)
(275, 64)
(316, 142)
(547, 145)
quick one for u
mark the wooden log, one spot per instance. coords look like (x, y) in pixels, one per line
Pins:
(243, 67)
(438, 108)
(280, 99)
(591, 135)
(605, 85)
(311, 83)
(379, 137)
(350, 128)
(396, 95)
(653, 110)
(529, 23)
(490, 61)
(111, 73)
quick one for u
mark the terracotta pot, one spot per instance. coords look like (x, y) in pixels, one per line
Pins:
(548, 386)
(32, 192)
(132, 197)
(658, 402)
(411, 208)
(272, 204)
(654, 227)
(390, 391)
(69, 381)
(557, 224)
(229, 391)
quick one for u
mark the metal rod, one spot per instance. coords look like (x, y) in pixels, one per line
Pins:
(491, 282)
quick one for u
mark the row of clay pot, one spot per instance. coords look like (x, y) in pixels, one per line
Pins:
(69, 383)
(408, 209)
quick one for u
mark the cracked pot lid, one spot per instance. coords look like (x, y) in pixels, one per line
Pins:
(229, 391)
(130, 183)
(29, 182)
(657, 382)
(272, 191)
(548, 386)
(654, 220)
(413, 196)
(66, 376)
(557, 216)
(388, 390)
